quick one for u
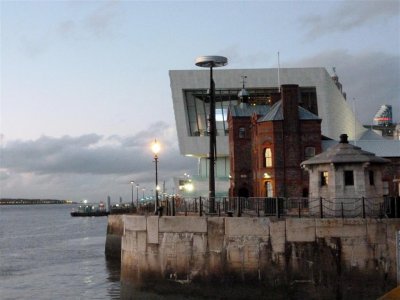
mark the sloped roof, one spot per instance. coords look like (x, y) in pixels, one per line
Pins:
(344, 153)
(370, 135)
(276, 114)
(246, 110)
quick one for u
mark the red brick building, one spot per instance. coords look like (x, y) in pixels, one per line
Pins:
(268, 143)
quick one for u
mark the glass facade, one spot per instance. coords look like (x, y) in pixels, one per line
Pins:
(198, 106)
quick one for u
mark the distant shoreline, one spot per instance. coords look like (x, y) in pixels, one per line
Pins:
(8, 201)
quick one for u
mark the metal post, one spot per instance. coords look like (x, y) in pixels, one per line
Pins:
(258, 207)
(299, 205)
(173, 206)
(342, 210)
(157, 204)
(277, 207)
(238, 207)
(363, 207)
(321, 213)
(211, 196)
(137, 198)
(200, 207)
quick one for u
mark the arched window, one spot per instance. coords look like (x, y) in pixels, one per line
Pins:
(267, 157)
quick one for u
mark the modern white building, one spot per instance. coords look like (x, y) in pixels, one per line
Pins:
(319, 94)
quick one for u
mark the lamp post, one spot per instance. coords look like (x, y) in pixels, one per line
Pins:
(137, 196)
(132, 182)
(156, 148)
(212, 62)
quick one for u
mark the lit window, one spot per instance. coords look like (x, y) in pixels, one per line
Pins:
(309, 152)
(267, 157)
(348, 178)
(268, 189)
(242, 133)
(324, 178)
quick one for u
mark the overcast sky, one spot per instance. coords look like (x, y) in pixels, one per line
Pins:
(85, 86)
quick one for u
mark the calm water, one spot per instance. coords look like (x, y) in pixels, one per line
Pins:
(47, 254)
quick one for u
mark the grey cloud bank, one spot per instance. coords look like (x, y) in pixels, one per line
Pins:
(88, 164)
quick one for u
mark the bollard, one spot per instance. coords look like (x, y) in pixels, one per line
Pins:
(219, 209)
(173, 206)
(200, 207)
(195, 205)
(277, 207)
(258, 208)
(185, 208)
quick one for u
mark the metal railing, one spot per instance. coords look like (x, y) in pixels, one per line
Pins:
(283, 207)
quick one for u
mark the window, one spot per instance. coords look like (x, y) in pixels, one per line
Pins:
(268, 189)
(385, 186)
(324, 178)
(309, 152)
(242, 133)
(348, 178)
(267, 157)
(371, 178)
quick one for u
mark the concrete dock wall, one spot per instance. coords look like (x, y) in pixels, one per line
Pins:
(323, 252)
(115, 229)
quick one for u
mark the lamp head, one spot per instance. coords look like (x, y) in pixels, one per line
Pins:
(155, 147)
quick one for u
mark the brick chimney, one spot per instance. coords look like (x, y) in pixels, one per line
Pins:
(290, 104)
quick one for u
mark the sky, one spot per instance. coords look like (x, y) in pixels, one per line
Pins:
(85, 86)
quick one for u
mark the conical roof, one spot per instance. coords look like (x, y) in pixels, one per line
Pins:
(344, 153)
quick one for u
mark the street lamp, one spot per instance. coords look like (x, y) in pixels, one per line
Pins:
(132, 182)
(212, 62)
(155, 147)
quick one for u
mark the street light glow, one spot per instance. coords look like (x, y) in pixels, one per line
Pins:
(155, 147)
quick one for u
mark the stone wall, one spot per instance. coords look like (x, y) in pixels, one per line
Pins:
(115, 229)
(338, 256)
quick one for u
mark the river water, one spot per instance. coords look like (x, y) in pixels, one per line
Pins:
(47, 254)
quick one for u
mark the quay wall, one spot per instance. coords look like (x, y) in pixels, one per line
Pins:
(115, 229)
(341, 256)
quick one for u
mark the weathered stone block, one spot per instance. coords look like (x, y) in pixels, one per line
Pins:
(247, 226)
(129, 241)
(134, 223)
(300, 230)
(141, 241)
(152, 229)
(183, 224)
(215, 234)
(278, 235)
(376, 232)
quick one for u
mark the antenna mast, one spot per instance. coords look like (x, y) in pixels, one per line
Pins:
(279, 75)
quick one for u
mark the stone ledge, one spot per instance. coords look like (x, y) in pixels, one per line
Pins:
(182, 224)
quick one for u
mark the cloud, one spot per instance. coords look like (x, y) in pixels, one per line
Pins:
(349, 15)
(89, 164)
(372, 78)
(100, 21)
